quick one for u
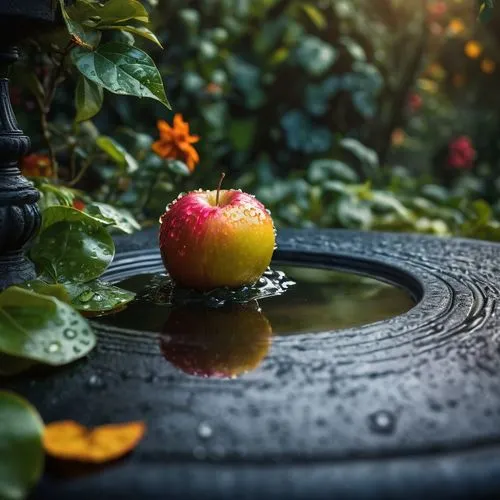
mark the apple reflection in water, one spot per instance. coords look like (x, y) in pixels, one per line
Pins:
(222, 342)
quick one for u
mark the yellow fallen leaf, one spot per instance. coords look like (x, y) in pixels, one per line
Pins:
(69, 440)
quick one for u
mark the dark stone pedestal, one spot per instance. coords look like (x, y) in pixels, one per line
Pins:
(19, 215)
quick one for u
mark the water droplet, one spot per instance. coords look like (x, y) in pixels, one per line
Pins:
(53, 347)
(95, 382)
(382, 422)
(205, 431)
(69, 333)
(86, 295)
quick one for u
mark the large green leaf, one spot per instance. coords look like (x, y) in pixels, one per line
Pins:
(73, 251)
(42, 328)
(93, 13)
(122, 218)
(83, 36)
(97, 297)
(21, 449)
(117, 153)
(88, 99)
(121, 69)
(53, 215)
(135, 30)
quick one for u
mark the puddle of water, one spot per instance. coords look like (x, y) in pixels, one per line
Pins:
(320, 300)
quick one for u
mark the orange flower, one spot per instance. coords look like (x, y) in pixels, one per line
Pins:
(456, 26)
(176, 143)
(35, 165)
(473, 49)
(69, 440)
(488, 66)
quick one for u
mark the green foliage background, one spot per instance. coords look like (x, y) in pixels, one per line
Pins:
(297, 101)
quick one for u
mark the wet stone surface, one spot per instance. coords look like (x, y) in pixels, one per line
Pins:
(411, 402)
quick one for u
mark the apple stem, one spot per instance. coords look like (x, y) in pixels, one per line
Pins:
(218, 188)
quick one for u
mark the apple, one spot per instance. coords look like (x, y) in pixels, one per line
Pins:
(216, 342)
(210, 239)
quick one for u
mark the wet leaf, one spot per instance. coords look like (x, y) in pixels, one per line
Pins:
(68, 440)
(21, 452)
(53, 215)
(81, 35)
(135, 30)
(117, 153)
(73, 251)
(88, 99)
(121, 69)
(111, 12)
(97, 297)
(55, 195)
(43, 288)
(122, 218)
(42, 328)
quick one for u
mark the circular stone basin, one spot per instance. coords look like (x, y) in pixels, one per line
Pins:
(403, 407)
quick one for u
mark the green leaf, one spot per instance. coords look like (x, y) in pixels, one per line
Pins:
(111, 12)
(135, 30)
(88, 99)
(21, 448)
(122, 219)
(84, 37)
(121, 69)
(53, 195)
(42, 328)
(55, 214)
(73, 251)
(98, 297)
(322, 170)
(117, 153)
(315, 15)
(178, 167)
(43, 288)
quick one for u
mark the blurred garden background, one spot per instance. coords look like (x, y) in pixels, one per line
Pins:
(363, 114)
